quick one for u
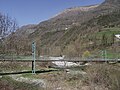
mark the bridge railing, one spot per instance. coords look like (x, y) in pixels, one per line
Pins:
(48, 58)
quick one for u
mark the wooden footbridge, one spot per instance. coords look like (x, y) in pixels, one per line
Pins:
(33, 59)
(67, 59)
(74, 60)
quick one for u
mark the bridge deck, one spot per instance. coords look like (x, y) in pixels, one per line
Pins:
(68, 60)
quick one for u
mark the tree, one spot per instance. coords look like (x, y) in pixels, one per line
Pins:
(104, 40)
(38, 49)
(7, 25)
(78, 48)
(112, 38)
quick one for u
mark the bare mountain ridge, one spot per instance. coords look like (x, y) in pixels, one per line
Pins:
(112, 2)
(75, 10)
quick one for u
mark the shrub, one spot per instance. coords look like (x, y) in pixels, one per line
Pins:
(86, 54)
(104, 75)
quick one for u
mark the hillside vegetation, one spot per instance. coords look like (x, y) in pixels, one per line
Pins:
(70, 32)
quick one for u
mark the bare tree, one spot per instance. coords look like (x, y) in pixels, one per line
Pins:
(7, 25)
(77, 47)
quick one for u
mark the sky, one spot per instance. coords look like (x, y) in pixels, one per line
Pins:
(36, 11)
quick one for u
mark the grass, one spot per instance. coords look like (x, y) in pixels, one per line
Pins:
(32, 76)
(111, 55)
(36, 76)
(107, 31)
(6, 83)
(14, 66)
(97, 75)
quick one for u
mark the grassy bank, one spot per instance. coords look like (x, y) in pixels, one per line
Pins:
(6, 83)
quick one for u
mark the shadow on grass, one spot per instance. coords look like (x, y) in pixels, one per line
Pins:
(24, 72)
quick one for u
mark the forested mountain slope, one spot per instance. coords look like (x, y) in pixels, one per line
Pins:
(73, 28)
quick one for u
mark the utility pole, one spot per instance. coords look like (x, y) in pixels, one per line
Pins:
(33, 56)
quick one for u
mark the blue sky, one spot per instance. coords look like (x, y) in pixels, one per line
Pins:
(35, 11)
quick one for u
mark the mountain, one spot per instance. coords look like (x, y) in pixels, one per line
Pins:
(115, 2)
(26, 30)
(73, 27)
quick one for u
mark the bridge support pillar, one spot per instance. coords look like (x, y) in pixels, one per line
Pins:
(33, 55)
(32, 66)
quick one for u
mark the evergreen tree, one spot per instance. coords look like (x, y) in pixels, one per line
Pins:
(104, 40)
(112, 38)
